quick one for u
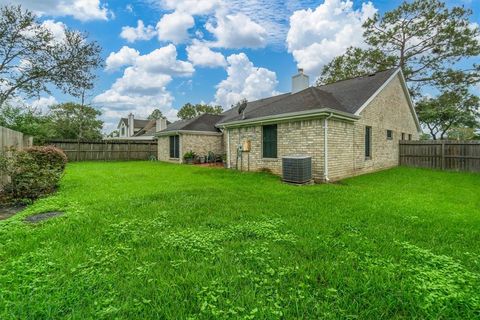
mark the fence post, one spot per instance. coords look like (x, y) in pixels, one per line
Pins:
(443, 155)
(128, 150)
(78, 150)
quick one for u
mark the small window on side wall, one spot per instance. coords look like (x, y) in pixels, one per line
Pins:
(403, 135)
(389, 134)
(270, 141)
(368, 142)
(409, 137)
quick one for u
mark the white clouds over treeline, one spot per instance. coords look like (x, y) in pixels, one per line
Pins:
(214, 34)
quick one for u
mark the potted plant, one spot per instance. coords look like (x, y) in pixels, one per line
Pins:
(189, 157)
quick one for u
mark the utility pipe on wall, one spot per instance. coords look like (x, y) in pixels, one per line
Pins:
(325, 148)
(228, 148)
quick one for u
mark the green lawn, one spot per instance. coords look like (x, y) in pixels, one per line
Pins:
(160, 241)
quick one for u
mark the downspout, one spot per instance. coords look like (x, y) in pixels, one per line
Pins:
(180, 154)
(325, 148)
(228, 148)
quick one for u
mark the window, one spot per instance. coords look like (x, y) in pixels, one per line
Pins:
(123, 131)
(368, 142)
(174, 147)
(409, 137)
(389, 134)
(403, 136)
(270, 141)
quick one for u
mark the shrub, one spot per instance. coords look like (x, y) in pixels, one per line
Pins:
(189, 155)
(33, 172)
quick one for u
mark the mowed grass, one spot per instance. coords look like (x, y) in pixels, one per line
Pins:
(146, 240)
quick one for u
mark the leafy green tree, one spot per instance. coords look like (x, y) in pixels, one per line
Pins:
(190, 111)
(423, 37)
(76, 121)
(32, 60)
(155, 115)
(451, 109)
(462, 133)
(28, 121)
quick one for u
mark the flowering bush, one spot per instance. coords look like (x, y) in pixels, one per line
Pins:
(32, 172)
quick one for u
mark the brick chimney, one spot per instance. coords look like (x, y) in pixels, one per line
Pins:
(131, 125)
(161, 124)
(300, 81)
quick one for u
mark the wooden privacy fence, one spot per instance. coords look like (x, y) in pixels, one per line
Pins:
(11, 138)
(441, 154)
(107, 150)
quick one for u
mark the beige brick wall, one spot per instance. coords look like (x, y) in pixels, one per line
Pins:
(297, 137)
(164, 150)
(340, 149)
(199, 143)
(388, 111)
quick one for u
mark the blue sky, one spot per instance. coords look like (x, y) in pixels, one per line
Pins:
(164, 53)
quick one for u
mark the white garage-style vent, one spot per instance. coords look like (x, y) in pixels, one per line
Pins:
(297, 169)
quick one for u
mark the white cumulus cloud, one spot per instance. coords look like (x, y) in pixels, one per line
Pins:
(42, 104)
(141, 32)
(57, 29)
(174, 27)
(193, 7)
(317, 36)
(124, 57)
(143, 85)
(244, 80)
(236, 31)
(201, 55)
(82, 10)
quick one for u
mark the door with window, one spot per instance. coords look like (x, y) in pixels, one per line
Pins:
(175, 147)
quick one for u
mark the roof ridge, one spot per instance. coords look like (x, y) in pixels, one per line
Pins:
(357, 77)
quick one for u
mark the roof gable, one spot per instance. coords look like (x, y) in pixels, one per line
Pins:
(346, 97)
(205, 123)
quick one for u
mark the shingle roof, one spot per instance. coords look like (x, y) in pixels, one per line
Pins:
(346, 96)
(205, 122)
(148, 129)
(137, 123)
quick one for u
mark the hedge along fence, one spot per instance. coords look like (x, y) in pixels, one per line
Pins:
(441, 154)
(107, 150)
(11, 138)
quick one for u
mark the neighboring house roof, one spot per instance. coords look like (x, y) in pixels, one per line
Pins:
(345, 96)
(137, 123)
(148, 129)
(202, 123)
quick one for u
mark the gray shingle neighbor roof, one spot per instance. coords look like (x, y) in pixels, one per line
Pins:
(204, 122)
(137, 123)
(345, 96)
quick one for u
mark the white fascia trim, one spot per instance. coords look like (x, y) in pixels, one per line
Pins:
(176, 132)
(406, 92)
(292, 116)
(410, 102)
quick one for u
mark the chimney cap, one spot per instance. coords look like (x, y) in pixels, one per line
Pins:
(300, 70)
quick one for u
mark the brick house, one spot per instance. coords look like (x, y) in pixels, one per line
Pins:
(348, 127)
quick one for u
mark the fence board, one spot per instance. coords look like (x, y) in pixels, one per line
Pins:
(441, 154)
(11, 138)
(107, 150)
